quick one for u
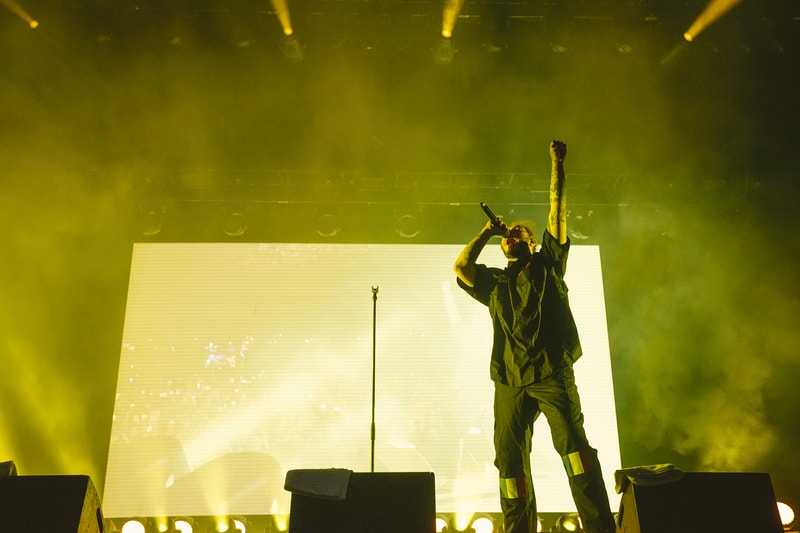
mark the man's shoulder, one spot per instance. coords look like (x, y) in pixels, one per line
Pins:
(488, 275)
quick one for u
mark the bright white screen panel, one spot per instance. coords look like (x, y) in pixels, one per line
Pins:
(240, 362)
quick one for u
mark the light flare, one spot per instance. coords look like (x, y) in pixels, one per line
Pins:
(18, 10)
(281, 8)
(712, 12)
(451, 10)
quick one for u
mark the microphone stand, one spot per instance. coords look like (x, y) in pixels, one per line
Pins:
(372, 426)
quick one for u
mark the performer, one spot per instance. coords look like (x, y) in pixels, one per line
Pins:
(534, 346)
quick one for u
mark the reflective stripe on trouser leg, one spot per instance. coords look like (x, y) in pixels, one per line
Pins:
(514, 487)
(577, 463)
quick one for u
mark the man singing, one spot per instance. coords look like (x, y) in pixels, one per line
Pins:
(534, 346)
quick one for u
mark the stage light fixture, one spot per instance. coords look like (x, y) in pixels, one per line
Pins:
(134, 525)
(407, 226)
(482, 524)
(183, 525)
(240, 523)
(787, 515)
(228, 525)
(581, 225)
(568, 522)
(278, 524)
(328, 225)
(153, 219)
(624, 48)
(291, 48)
(444, 51)
(235, 223)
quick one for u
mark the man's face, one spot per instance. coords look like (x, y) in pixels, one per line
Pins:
(519, 243)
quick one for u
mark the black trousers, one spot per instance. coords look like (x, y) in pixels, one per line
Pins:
(515, 410)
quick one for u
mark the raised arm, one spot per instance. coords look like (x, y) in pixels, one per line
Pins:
(557, 220)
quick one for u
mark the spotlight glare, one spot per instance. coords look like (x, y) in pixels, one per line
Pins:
(482, 525)
(568, 522)
(13, 6)
(280, 523)
(224, 525)
(183, 525)
(787, 514)
(282, 12)
(451, 10)
(133, 526)
(162, 524)
(713, 11)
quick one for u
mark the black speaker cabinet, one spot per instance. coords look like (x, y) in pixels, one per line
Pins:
(701, 502)
(385, 502)
(49, 504)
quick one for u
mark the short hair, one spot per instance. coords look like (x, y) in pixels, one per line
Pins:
(529, 225)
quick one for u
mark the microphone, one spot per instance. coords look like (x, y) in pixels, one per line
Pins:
(494, 219)
(489, 213)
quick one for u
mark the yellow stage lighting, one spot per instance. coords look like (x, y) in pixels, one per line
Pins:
(482, 524)
(452, 8)
(713, 11)
(240, 524)
(224, 524)
(282, 12)
(787, 515)
(183, 525)
(134, 525)
(17, 9)
(568, 522)
(280, 523)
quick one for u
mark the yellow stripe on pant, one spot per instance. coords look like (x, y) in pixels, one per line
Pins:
(514, 487)
(577, 463)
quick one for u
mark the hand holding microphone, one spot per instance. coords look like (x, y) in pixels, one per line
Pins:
(497, 222)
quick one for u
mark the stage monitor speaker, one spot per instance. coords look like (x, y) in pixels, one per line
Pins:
(385, 502)
(701, 502)
(49, 504)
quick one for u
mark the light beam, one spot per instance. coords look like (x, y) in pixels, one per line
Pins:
(282, 12)
(17, 9)
(451, 10)
(712, 12)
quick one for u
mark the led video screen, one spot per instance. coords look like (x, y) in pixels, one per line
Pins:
(240, 362)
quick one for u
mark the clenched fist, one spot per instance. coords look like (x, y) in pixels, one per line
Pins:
(558, 151)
